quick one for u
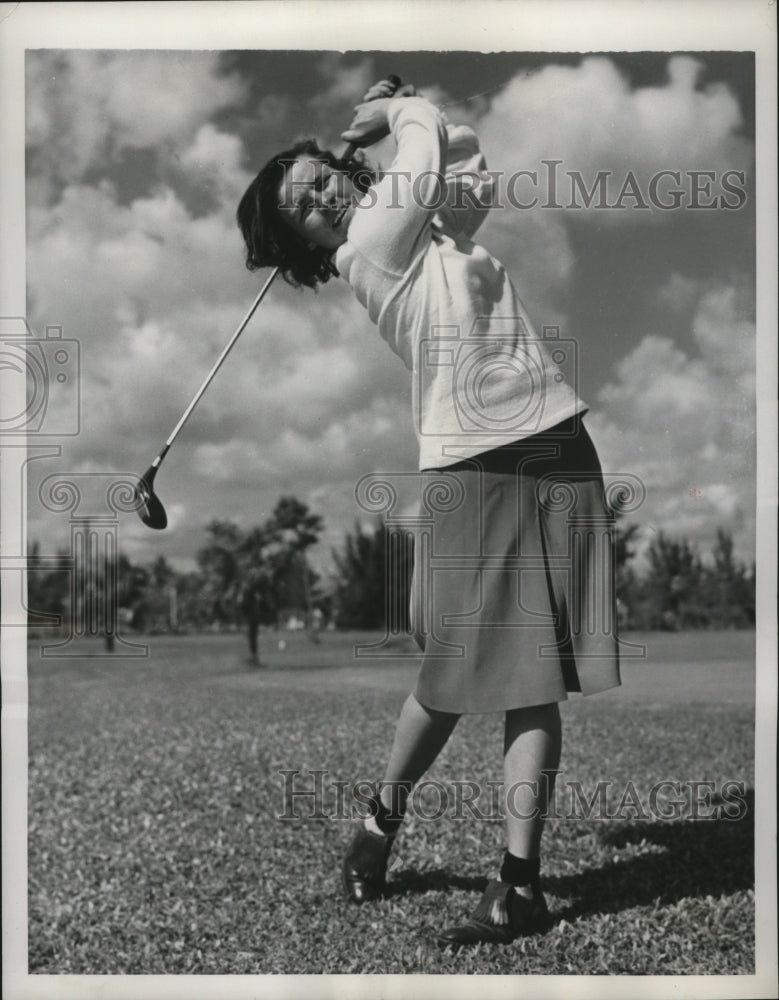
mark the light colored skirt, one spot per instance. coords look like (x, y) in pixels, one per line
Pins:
(513, 598)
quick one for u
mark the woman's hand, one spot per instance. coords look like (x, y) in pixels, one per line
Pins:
(387, 88)
(369, 123)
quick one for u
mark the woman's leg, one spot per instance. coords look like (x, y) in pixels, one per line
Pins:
(531, 746)
(420, 735)
(513, 904)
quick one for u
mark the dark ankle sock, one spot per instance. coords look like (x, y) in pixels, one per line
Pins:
(387, 820)
(519, 871)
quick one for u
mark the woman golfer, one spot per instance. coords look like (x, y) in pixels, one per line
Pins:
(510, 620)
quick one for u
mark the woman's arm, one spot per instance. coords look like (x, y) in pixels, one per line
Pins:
(397, 212)
(470, 186)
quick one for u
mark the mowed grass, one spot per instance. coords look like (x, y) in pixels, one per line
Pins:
(155, 844)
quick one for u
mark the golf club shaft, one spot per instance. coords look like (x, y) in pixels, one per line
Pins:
(207, 381)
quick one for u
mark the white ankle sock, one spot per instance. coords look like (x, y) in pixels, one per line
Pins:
(373, 827)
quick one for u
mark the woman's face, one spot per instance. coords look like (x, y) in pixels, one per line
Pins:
(317, 202)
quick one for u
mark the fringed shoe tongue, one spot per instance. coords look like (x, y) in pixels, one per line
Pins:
(493, 906)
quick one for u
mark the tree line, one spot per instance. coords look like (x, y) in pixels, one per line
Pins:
(260, 576)
(678, 588)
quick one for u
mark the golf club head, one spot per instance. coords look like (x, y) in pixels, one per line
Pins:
(150, 509)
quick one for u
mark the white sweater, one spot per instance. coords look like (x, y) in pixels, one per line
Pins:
(482, 378)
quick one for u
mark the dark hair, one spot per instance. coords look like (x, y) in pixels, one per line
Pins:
(270, 241)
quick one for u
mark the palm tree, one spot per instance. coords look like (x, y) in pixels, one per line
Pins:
(251, 574)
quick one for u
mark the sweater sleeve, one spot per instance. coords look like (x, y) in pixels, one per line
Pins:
(394, 218)
(470, 187)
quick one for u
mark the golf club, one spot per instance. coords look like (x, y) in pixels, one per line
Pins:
(150, 508)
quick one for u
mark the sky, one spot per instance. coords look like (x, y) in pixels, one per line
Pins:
(136, 161)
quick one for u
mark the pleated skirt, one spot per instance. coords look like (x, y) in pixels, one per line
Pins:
(512, 598)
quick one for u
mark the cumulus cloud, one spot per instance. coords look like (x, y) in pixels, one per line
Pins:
(591, 119)
(679, 293)
(85, 108)
(213, 163)
(154, 294)
(345, 84)
(332, 107)
(684, 422)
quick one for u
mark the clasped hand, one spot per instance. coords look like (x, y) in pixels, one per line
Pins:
(370, 124)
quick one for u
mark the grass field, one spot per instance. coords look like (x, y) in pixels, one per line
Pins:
(155, 844)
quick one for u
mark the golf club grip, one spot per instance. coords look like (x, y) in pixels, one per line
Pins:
(349, 152)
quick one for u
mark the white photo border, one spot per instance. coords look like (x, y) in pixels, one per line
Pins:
(503, 25)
